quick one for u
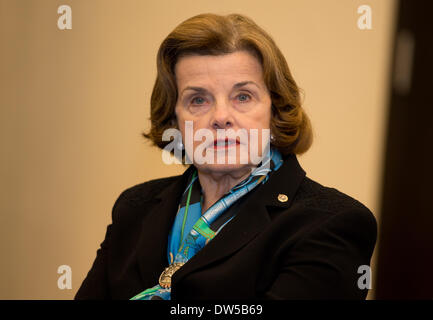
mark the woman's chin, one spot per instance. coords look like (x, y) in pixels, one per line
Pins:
(225, 168)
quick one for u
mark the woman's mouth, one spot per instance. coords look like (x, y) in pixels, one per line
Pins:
(224, 144)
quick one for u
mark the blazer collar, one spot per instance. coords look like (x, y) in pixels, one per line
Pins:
(252, 218)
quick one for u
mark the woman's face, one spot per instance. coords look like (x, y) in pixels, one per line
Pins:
(217, 93)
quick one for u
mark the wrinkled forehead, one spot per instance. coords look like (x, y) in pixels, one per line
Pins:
(202, 69)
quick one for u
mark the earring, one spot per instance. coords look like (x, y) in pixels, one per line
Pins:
(272, 138)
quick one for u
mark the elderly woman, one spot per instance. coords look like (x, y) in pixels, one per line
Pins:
(231, 226)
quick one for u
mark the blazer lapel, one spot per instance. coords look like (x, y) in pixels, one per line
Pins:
(152, 246)
(251, 219)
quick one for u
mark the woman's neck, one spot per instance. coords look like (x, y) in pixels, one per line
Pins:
(217, 184)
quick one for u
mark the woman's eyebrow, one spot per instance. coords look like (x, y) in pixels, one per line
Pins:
(235, 86)
(244, 83)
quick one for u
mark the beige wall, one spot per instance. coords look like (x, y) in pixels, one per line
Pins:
(73, 104)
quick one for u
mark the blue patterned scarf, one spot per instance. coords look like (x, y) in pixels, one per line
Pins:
(191, 230)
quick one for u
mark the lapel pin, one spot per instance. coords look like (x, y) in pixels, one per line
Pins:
(282, 198)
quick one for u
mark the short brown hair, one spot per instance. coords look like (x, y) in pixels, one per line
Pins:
(212, 34)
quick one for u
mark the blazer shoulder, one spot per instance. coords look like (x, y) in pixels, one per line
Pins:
(314, 195)
(338, 212)
(147, 190)
(138, 194)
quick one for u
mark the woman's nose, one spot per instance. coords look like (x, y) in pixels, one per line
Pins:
(221, 117)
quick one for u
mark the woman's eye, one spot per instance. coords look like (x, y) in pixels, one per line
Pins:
(198, 101)
(243, 97)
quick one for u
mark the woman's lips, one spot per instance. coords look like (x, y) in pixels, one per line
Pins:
(224, 144)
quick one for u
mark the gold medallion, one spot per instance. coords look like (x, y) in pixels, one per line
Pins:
(165, 277)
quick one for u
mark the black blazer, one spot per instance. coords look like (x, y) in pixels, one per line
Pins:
(308, 247)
